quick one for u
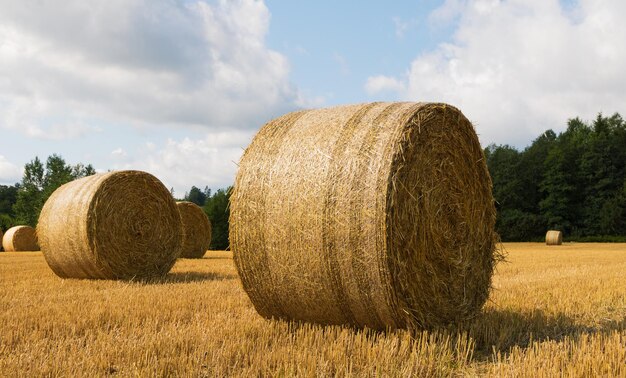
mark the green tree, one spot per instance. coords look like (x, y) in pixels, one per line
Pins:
(517, 217)
(218, 211)
(531, 171)
(556, 206)
(574, 182)
(8, 197)
(38, 183)
(29, 197)
(503, 163)
(81, 170)
(602, 169)
(196, 196)
(57, 174)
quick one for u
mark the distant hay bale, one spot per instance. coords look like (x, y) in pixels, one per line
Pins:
(20, 238)
(116, 225)
(554, 237)
(377, 215)
(196, 230)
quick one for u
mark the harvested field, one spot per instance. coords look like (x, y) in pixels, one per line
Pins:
(553, 311)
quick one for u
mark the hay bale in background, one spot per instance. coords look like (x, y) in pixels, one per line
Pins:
(554, 237)
(114, 225)
(20, 238)
(1, 249)
(196, 230)
(377, 215)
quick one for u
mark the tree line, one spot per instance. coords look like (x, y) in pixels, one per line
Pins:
(574, 182)
(20, 204)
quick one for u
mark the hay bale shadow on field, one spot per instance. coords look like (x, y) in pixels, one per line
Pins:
(502, 330)
(493, 331)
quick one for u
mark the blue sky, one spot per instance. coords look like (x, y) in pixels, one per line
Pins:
(335, 46)
(179, 88)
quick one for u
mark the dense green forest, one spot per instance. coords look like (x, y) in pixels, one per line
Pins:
(574, 182)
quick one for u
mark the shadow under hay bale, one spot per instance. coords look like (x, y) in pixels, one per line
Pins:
(116, 225)
(377, 215)
(196, 230)
(20, 238)
(554, 237)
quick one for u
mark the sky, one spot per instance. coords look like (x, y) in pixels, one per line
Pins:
(179, 88)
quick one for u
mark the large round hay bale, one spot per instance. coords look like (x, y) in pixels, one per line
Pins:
(377, 215)
(554, 237)
(20, 238)
(114, 225)
(196, 230)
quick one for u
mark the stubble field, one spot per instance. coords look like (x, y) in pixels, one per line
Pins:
(553, 311)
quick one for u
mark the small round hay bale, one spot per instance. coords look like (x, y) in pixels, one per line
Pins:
(20, 238)
(116, 225)
(554, 237)
(196, 230)
(377, 215)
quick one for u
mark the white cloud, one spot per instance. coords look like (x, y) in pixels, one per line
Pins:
(9, 172)
(518, 67)
(449, 11)
(118, 153)
(376, 84)
(210, 161)
(402, 26)
(141, 62)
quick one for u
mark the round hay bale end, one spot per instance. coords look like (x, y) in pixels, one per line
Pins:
(116, 225)
(20, 238)
(196, 230)
(378, 215)
(554, 237)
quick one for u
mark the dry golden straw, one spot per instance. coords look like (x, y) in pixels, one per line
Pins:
(20, 238)
(554, 237)
(377, 215)
(114, 225)
(196, 230)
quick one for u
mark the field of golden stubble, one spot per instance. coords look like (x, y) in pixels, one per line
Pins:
(554, 311)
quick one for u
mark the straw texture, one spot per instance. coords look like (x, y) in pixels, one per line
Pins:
(554, 237)
(378, 215)
(196, 230)
(114, 225)
(20, 238)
